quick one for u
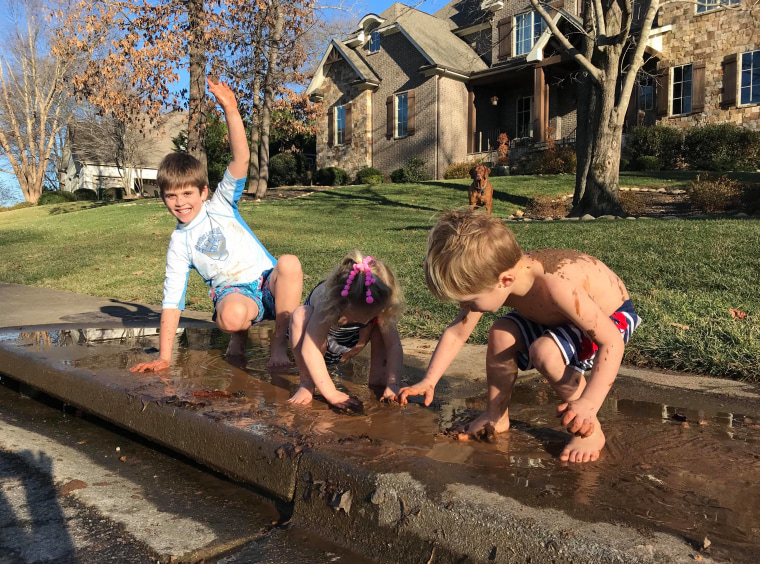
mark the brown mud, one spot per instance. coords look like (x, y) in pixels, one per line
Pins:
(692, 472)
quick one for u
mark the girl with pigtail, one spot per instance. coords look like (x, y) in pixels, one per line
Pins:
(358, 303)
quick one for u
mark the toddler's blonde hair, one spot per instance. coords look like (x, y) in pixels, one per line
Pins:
(386, 292)
(466, 253)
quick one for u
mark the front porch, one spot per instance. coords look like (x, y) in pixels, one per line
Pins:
(530, 104)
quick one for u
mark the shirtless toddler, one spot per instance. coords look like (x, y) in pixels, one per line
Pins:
(571, 313)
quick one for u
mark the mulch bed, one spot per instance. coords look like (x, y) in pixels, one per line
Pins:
(657, 204)
(284, 193)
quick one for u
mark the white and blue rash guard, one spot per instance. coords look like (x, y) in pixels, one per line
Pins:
(217, 243)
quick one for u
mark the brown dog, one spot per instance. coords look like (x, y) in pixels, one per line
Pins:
(481, 190)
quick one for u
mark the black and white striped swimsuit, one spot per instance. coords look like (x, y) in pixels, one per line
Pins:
(340, 338)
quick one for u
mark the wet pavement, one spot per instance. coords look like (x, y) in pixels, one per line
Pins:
(682, 466)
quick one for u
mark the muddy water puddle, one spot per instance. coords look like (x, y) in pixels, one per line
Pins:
(671, 468)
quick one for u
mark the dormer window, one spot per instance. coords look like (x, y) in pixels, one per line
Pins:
(528, 28)
(374, 42)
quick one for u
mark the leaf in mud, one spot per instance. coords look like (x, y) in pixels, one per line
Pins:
(737, 314)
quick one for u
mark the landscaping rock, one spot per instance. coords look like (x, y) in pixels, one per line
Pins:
(605, 217)
(587, 217)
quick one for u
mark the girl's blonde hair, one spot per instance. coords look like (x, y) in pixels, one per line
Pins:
(385, 291)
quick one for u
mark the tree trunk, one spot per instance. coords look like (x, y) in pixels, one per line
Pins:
(269, 79)
(196, 127)
(254, 134)
(597, 181)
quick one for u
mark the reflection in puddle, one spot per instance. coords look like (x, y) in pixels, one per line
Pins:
(689, 471)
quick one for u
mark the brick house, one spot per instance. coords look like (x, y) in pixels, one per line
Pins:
(443, 86)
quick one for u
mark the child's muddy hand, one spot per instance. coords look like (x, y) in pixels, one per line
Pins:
(579, 417)
(390, 393)
(158, 365)
(419, 389)
(344, 401)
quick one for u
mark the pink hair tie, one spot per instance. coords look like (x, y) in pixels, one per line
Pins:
(365, 267)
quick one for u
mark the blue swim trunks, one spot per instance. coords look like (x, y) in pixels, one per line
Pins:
(577, 349)
(258, 291)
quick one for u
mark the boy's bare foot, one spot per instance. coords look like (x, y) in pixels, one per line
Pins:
(278, 356)
(495, 425)
(238, 345)
(581, 449)
(302, 397)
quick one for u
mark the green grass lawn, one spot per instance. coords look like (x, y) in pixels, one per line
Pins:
(683, 275)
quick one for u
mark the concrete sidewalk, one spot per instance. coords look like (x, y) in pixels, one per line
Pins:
(676, 482)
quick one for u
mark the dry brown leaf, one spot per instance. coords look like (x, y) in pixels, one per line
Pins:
(737, 314)
(138, 272)
(680, 326)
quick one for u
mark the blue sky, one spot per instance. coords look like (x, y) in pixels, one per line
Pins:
(377, 6)
(361, 7)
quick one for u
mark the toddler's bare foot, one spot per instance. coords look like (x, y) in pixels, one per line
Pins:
(238, 344)
(581, 449)
(278, 356)
(302, 397)
(485, 426)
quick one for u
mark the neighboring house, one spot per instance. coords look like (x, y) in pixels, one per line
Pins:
(442, 87)
(98, 156)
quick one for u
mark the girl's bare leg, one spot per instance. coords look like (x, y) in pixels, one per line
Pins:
(504, 342)
(298, 322)
(569, 385)
(378, 375)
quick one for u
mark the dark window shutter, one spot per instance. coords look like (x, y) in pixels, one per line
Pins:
(632, 114)
(505, 38)
(331, 127)
(410, 113)
(698, 87)
(663, 92)
(349, 125)
(389, 117)
(729, 82)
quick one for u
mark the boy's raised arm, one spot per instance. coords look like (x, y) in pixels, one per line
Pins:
(451, 342)
(225, 97)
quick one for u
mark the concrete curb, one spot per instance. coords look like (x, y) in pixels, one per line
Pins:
(393, 516)
(221, 447)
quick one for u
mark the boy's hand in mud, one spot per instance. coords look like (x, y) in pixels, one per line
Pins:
(345, 402)
(420, 389)
(579, 417)
(159, 365)
(224, 95)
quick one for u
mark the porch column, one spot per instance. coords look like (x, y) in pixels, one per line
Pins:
(471, 119)
(540, 105)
